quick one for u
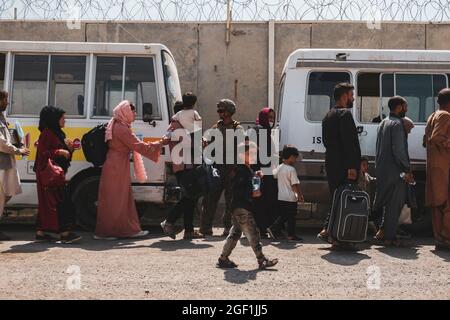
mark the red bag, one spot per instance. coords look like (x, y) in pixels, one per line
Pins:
(52, 176)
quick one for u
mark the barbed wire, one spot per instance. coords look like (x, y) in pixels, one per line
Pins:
(216, 10)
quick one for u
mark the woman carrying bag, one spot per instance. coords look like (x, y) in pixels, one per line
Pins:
(117, 216)
(54, 154)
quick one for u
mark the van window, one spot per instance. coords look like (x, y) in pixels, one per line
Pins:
(387, 91)
(29, 91)
(171, 82)
(320, 93)
(140, 85)
(2, 70)
(67, 83)
(368, 99)
(420, 90)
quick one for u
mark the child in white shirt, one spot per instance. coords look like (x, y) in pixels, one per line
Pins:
(188, 116)
(289, 193)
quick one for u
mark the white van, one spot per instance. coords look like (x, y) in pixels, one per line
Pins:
(88, 80)
(306, 94)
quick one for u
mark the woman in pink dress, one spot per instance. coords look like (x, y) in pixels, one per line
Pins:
(116, 213)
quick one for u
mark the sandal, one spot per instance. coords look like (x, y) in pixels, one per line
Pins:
(225, 264)
(266, 263)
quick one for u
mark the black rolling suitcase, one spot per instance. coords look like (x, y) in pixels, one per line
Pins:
(350, 213)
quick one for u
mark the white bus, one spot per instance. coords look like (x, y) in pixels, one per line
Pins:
(88, 80)
(306, 94)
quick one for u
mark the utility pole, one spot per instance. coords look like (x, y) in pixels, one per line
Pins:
(228, 28)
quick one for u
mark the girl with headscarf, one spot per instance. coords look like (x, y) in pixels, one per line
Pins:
(54, 207)
(117, 216)
(266, 205)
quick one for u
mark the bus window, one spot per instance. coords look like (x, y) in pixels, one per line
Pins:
(108, 85)
(171, 82)
(2, 70)
(140, 85)
(320, 93)
(29, 92)
(368, 97)
(420, 90)
(67, 83)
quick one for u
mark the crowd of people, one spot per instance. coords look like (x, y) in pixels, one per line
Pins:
(257, 204)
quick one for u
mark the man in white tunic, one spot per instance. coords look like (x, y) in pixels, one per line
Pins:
(9, 176)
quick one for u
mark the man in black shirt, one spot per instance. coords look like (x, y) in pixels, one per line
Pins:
(340, 137)
(243, 195)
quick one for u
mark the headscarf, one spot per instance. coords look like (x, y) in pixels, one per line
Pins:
(123, 114)
(49, 119)
(263, 118)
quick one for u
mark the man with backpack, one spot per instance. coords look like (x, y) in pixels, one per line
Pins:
(226, 109)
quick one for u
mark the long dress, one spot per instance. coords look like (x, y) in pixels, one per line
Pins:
(116, 212)
(48, 217)
(438, 172)
(9, 175)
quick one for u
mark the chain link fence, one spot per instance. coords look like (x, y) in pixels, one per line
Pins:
(216, 10)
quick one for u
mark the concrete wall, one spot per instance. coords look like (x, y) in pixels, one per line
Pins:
(214, 70)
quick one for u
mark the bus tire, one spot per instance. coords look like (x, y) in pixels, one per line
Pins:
(85, 199)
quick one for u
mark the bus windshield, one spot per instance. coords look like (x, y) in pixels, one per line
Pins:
(171, 81)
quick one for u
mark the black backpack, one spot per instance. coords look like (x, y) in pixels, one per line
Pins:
(94, 146)
(200, 180)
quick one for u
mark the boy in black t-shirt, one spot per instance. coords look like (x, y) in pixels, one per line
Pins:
(243, 193)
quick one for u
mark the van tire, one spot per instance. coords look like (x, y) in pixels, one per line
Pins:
(85, 199)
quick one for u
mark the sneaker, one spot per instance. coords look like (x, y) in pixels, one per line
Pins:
(71, 238)
(45, 238)
(168, 229)
(105, 238)
(4, 237)
(190, 235)
(267, 263)
(225, 264)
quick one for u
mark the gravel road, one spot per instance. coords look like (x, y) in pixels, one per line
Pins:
(161, 268)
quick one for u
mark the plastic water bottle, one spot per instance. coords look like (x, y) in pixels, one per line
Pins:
(256, 183)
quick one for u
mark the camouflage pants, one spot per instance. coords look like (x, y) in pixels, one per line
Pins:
(243, 222)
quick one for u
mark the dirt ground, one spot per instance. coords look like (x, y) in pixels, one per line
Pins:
(161, 268)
